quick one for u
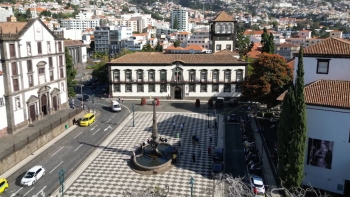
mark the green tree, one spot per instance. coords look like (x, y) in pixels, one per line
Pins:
(177, 43)
(100, 71)
(71, 72)
(291, 155)
(268, 45)
(271, 44)
(28, 14)
(147, 48)
(159, 47)
(123, 52)
(175, 23)
(243, 44)
(270, 75)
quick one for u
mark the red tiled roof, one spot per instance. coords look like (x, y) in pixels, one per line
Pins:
(329, 46)
(223, 16)
(330, 93)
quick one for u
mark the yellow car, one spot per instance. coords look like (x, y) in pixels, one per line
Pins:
(3, 185)
(87, 120)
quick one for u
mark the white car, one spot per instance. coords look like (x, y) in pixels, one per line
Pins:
(257, 186)
(33, 175)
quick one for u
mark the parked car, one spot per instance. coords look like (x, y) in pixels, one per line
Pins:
(257, 186)
(232, 118)
(33, 175)
(3, 185)
(86, 97)
(217, 170)
(219, 103)
(218, 154)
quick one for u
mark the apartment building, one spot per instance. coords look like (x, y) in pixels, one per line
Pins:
(199, 38)
(33, 63)
(80, 24)
(109, 39)
(182, 19)
(286, 50)
(135, 42)
(183, 37)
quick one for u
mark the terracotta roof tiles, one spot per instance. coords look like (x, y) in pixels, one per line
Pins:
(12, 27)
(329, 46)
(160, 58)
(330, 93)
(72, 43)
(223, 16)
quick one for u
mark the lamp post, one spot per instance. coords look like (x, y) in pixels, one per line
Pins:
(61, 178)
(82, 96)
(93, 102)
(191, 183)
(208, 115)
(133, 114)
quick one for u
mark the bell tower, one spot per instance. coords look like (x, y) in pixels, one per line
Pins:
(223, 32)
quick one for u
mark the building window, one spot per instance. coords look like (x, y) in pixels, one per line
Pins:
(41, 71)
(228, 47)
(30, 80)
(62, 86)
(239, 75)
(61, 73)
(192, 88)
(218, 47)
(227, 88)
(29, 66)
(139, 87)
(128, 88)
(116, 87)
(59, 46)
(203, 88)
(163, 76)
(17, 103)
(116, 75)
(128, 75)
(51, 75)
(50, 62)
(162, 88)
(204, 75)
(227, 77)
(60, 61)
(139, 76)
(29, 49)
(238, 88)
(192, 75)
(12, 50)
(322, 66)
(14, 68)
(15, 84)
(215, 88)
(39, 48)
(216, 76)
(151, 75)
(2, 103)
(151, 88)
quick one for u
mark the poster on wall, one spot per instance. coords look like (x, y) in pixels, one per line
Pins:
(320, 153)
(38, 32)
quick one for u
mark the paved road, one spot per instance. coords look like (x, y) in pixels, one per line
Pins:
(67, 153)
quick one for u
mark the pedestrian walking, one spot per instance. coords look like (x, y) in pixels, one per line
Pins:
(119, 99)
(174, 125)
(122, 100)
(74, 121)
(182, 126)
(209, 150)
(194, 158)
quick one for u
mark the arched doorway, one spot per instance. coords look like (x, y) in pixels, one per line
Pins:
(32, 112)
(44, 104)
(177, 93)
(54, 102)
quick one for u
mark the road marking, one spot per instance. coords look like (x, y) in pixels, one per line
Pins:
(57, 151)
(93, 128)
(77, 135)
(234, 109)
(28, 192)
(111, 118)
(55, 168)
(125, 107)
(78, 147)
(109, 127)
(40, 192)
(96, 131)
(15, 194)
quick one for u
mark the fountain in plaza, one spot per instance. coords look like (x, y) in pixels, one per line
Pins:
(154, 157)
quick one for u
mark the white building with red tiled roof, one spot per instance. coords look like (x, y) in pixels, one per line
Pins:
(327, 97)
(3, 114)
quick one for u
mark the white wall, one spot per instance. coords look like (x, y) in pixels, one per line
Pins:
(73, 34)
(3, 115)
(223, 44)
(329, 124)
(339, 69)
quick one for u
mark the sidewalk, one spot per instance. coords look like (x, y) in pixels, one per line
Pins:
(219, 185)
(267, 170)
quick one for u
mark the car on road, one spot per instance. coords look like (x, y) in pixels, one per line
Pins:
(219, 103)
(218, 168)
(3, 185)
(86, 97)
(218, 154)
(232, 118)
(257, 186)
(87, 120)
(33, 175)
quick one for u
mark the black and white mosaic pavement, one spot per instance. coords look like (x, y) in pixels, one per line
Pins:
(109, 174)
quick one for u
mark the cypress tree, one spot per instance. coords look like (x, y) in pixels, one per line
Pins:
(271, 44)
(265, 41)
(70, 74)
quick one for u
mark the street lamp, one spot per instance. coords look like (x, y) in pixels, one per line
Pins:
(191, 183)
(82, 96)
(133, 114)
(61, 178)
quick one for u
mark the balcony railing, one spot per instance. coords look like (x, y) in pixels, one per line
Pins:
(173, 81)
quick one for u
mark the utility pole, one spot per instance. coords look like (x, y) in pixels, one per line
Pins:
(133, 114)
(93, 102)
(61, 177)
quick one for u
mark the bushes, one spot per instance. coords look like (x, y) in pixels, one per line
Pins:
(143, 101)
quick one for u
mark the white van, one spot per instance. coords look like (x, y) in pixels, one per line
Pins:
(115, 106)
